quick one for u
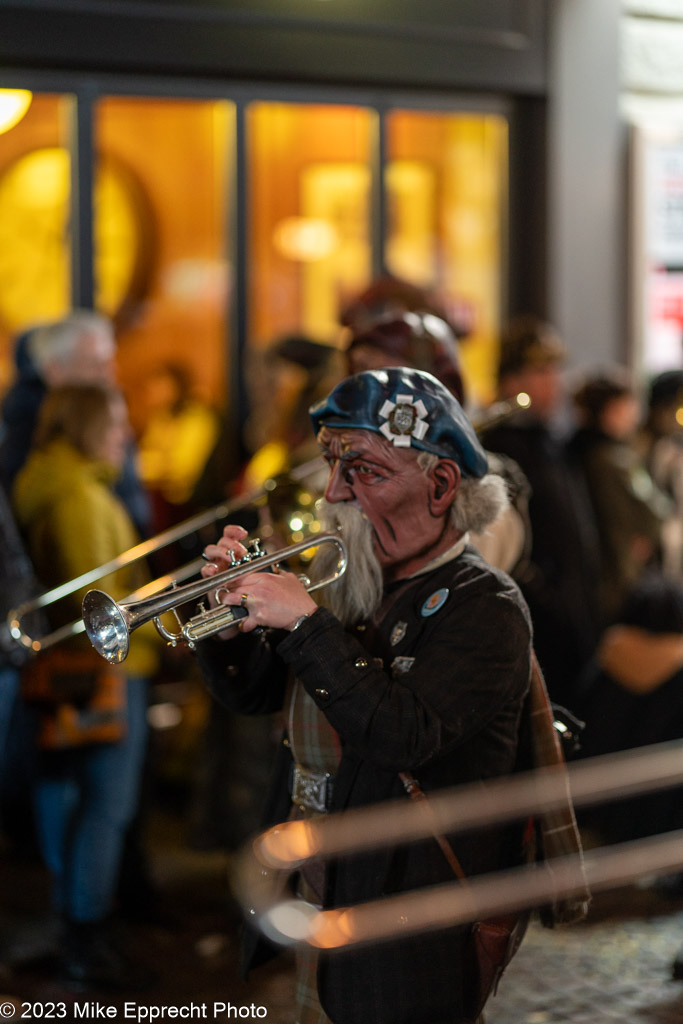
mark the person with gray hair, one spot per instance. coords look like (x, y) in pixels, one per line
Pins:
(79, 348)
(415, 671)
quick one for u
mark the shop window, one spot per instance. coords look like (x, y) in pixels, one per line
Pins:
(35, 243)
(161, 247)
(446, 182)
(309, 235)
(162, 176)
(309, 170)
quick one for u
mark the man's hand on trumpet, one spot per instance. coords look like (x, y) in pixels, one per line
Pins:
(227, 550)
(276, 599)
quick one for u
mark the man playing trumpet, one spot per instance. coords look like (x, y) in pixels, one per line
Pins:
(418, 663)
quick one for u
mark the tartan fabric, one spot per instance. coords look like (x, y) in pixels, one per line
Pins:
(557, 834)
(308, 1008)
(313, 741)
(314, 745)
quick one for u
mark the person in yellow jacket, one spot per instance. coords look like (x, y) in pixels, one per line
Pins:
(91, 720)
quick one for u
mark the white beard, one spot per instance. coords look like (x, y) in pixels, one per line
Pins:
(357, 595)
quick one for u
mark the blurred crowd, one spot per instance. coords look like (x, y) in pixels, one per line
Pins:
(593, 463)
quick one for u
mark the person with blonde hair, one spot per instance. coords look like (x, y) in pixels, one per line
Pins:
(90, 719)
(78, 348)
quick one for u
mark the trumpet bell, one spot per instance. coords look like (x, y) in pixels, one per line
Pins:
(106, 624)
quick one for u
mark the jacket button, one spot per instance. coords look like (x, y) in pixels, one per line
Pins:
(361, 663)
(231, 671)
(323, 694)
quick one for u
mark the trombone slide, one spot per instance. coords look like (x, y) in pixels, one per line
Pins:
(146, 547)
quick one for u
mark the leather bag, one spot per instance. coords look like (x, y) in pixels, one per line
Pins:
(491, 943)
(80, 699)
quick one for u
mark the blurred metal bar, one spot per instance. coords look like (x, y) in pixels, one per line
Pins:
(484, 896)
(467, 807)
(263, 868)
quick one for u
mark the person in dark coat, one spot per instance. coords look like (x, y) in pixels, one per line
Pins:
(629, 508)
(18, 584)
(660, 443)
(420, 662)
(561, 575)
(632, 696)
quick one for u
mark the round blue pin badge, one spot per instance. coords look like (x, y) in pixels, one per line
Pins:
(434, 602)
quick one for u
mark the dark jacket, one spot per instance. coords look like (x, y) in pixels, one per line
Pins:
(441, 696)
(19, 413)
(561, 577)
(628, 509)
(633, 697)
(17, 584)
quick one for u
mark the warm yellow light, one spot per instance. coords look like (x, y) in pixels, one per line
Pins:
(287, 844)
(679, 416)
(305, 238)
(333, 928)
(13, 105)
(45, 176)
(34, 237)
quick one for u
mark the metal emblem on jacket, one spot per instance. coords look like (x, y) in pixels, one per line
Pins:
(398, 632)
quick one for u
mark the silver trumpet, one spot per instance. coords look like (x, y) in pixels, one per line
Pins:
(109, 623)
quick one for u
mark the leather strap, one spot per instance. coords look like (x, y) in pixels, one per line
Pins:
(415, 792)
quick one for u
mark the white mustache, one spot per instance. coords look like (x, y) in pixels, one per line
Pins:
(336, 515)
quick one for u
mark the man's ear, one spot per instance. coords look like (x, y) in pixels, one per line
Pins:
(444, 479)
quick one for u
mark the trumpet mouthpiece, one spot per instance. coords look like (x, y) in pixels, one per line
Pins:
(106, 626)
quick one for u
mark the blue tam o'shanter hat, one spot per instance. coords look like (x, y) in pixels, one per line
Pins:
(410, 408)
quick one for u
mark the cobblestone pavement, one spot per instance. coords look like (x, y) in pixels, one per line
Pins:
(614, 967)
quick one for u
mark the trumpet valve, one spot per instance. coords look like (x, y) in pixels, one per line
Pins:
(209, 623)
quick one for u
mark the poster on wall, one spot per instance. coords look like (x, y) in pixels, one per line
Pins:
(657, 283)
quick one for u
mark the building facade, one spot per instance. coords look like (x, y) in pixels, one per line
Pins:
(220, 173)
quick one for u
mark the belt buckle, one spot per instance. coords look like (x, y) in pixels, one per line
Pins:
(311, 788)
